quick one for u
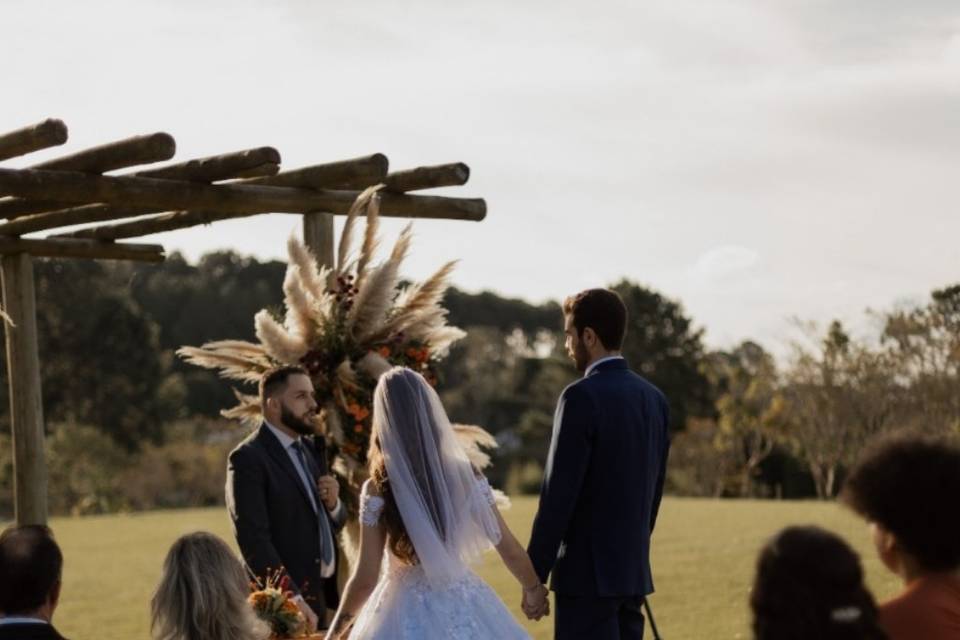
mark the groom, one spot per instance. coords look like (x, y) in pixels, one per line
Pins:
(602, 483)
(284, 505)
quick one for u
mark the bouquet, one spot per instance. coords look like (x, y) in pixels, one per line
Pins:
(273, 603)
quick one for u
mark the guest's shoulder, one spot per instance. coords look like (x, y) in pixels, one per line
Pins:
(917, 612)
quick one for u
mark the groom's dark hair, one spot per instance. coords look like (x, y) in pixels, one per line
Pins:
(275, 379)
(30, 568)
(603, 311)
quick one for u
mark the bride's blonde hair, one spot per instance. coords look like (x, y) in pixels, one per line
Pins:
(202, 594)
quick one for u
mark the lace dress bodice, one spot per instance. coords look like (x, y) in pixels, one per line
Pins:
(371, 509)
(406, 606)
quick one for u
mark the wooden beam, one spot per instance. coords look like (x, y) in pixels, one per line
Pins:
(241, 199)
(318, 236)
(73, 248)
(358, 173)
(68, 217)
(107, 157)
(128, 152)
(262, 161)
(392, 206)
(443, 175)
(42, 135)
(26, 406)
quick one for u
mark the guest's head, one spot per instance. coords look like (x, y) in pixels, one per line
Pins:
(907, 487)
(809, 584)
(287, 399)
(203, 593)
(31, 567)
(594, 322)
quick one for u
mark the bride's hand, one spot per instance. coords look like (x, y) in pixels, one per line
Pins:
(535, 602)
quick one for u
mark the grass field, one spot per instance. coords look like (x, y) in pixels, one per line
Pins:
(703, 555)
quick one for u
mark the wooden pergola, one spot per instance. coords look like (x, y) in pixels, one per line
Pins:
(76, 189)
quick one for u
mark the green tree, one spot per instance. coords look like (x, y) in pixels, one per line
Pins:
(749, 408)
(663, 345)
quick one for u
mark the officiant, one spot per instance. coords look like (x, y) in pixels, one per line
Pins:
(283, 502)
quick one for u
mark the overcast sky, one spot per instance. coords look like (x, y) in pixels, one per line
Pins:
(757, 160)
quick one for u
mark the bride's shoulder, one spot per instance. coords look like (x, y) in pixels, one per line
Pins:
(371, 504)
(370, 488)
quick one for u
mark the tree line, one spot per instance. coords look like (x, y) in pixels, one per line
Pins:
(130, 426)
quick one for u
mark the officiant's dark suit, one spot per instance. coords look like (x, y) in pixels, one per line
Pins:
(278, 516)
(599, 500)
(274, 518)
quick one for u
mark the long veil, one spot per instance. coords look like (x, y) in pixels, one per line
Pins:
(443, 506)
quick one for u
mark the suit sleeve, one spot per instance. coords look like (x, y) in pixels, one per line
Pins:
(567, 462)
(661, 477)
(246, 501)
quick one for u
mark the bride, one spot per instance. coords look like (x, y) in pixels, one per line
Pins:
(426, 514)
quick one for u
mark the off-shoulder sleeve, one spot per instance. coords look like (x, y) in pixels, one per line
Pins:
(371, 507)
(486, 492)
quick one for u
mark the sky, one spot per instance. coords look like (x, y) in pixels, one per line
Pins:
(758, 160)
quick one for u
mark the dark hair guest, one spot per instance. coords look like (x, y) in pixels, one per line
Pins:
(31, 567)
(809, 584)
(908, 488)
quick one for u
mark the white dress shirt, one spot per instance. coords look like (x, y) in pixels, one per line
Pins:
(287, 443)
(593, 365)
(21, 620)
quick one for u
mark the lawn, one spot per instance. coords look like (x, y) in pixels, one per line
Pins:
(703, 555)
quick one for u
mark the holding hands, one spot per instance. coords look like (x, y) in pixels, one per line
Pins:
(536, 603)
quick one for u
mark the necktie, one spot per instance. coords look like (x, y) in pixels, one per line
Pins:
(326, 535)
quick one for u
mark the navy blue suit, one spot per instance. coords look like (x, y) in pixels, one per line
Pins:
(599, 501)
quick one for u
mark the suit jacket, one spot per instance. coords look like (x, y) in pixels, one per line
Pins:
(273, 517)
(29, 632)
(602, 485)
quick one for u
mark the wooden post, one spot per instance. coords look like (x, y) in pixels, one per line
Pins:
(26, 407)
(318, 236)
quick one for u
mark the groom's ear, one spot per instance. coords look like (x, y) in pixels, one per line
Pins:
(589, 337)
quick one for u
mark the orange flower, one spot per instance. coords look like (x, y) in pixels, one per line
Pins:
(384, 351)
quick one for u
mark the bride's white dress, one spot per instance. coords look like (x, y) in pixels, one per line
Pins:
(406, 606)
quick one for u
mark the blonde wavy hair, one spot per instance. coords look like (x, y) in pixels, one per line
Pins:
(203, 594)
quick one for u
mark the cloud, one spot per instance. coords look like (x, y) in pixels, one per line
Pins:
(725, 262)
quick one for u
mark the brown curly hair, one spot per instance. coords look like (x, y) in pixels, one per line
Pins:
(397, 537)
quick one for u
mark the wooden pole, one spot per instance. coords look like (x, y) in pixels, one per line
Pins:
(318, 236)
(262, 161)
(74, 248)
(26, 406)
(392, 206)
(443, 175)
(226, 198)
(107, 157)
(42, 135)
(358, 173)
(128, 152)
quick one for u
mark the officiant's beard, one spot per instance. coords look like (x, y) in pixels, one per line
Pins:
(298, 424)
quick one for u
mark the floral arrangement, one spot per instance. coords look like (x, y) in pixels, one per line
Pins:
(346, 325)
(273, 603)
